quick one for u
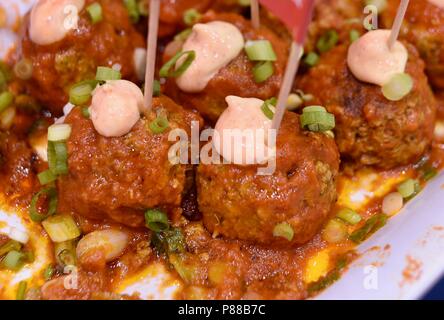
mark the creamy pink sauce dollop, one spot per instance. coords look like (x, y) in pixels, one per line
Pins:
(51, 20)
(216, 44)
(371, 60)
(241, 119)
(116, 107)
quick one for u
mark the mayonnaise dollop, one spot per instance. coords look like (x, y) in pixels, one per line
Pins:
(216, 44)
(438, 3)
(116, 107)
(241, 133)
(371, 60)
(51, 20)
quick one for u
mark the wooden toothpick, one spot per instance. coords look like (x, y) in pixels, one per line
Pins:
(255, 19)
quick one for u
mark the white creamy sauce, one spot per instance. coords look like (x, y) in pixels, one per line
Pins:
(371, 60)
(116, 107)
(51, 20)
(216, 44)
(241, 132)
(438, 3)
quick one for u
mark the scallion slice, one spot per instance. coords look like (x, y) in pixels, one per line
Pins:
(156, 88)
(262, 71)
(159, 125)
(59, 132)
(46, 177)
(260, 50)
(65, 253)
(51, 194)
(85, 112)
(48, 272)
(6, 99)
(95, 12)
(169, 69)
(133, 10)
(311, 59)
(21, 290)
(156, 220)
(105, 74)
(398, 87)
(183, 35)
(191, 16)
(316, 119)
(13, 260)
(80, 93)
(283, 230)
(409, 188)
(327, 41)
(354, 35)
(61, 228)
(349, 216)
(59, 151)
(9, 246)
(23, 69)
(266, 108)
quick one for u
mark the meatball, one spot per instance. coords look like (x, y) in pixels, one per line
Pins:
(371, 130)
(239, 204)
(424, 27)
(119, 178)
(58, 66)
(237, 77)
(339, 15)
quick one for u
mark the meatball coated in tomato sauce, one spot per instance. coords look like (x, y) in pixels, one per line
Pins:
(341, 16)
(237, 203)
(424, 27)
(237, 77)
(371, 130)
(57, 66)
(119, 178)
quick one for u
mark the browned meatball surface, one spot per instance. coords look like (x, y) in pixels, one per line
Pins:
(239, 204)
(237, 77)
(58, 66)
(119, 178)
(371, 130)
(424, 27)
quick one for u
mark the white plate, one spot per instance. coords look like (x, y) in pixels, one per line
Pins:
(401, 261)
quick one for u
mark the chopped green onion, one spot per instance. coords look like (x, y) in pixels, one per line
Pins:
(244, 3)
(429, 172)
(156, 88)
(354, 35)
(58, 157)
(182, 36)
(61, 228)
(9, 246)
(51, 193)
(167, 70)
(23, 69)
(317, 119)
(262, 71)
(21, 291)
(327, 41)
(371, 225)
(80, 93)
(159, 125)
(311, 59)
(294, 101)
(48, 272)
(95, 12)
(266, 108)
(156, 220)
(85, 112)
(143, 7)
(46, 177)
(260, 50)
(58, 132)
(65, 253)
(13, 260)
(398, 87)
(6, 99)
(133, 10)
(105, 74)
(283, 230)
(349, 216)
(5, 75)
(169, 241)
(335, 231)
(191, 16)
(409, 188)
